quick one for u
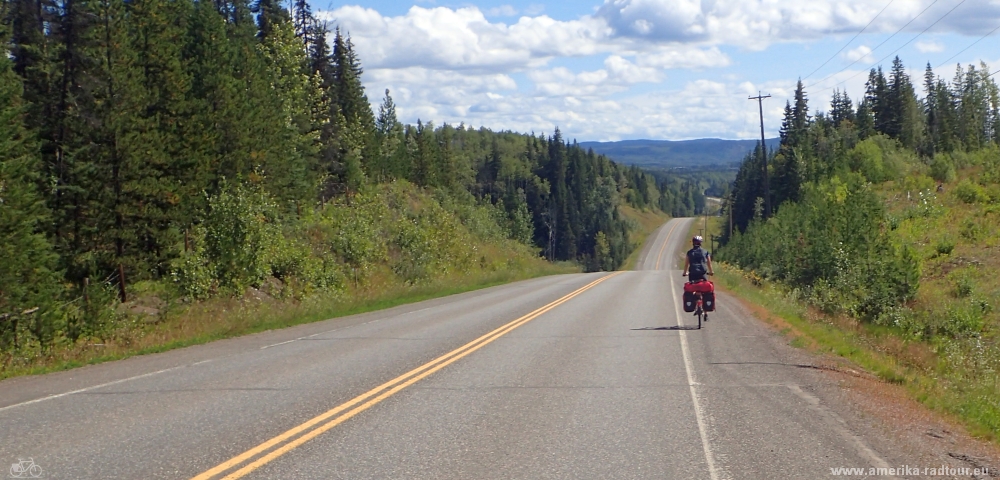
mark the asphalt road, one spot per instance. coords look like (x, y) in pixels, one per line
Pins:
(573, 376)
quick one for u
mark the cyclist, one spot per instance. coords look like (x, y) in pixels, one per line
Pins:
(698, 261)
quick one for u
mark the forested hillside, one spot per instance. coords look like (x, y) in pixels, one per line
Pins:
(886, 211)
(199, 149)
(663, 154)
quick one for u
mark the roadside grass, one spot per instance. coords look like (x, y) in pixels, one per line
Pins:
(946, 375)
(220, 318)
(648, 222)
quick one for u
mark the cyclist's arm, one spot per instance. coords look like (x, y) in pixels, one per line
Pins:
(687, 263)
(708, 258)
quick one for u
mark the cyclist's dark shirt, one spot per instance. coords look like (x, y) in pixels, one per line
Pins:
(697, 263)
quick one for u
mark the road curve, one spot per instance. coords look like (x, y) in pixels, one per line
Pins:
(572, 376)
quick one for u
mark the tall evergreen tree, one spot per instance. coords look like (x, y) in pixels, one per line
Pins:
(877, 98)
(842, 108)
(269, 14)
(905, 119)
(27, 273)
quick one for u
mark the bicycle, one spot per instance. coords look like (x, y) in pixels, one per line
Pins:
(694, 296)
(25, 469)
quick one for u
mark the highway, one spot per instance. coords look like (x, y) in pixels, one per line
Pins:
(596, 375)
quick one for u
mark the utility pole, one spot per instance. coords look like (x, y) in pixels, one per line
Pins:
(763, 153)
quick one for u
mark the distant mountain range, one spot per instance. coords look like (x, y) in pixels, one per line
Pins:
(705, 152)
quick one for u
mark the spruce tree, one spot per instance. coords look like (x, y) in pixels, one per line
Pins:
(154, 164)
(877, 97)
(28, 278)
(270, 13)
(291, 168)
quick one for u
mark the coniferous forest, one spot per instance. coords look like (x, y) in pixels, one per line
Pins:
(211, 147)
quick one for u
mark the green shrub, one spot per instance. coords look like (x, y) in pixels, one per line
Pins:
(969, 192)
(942, 168)
(191, 271)
(944, 246)
(993, 192)
(866, 158)
(963, 320)
(918, 183)
(963, 284)
(835, 243)
(972, 230)
(241, 231)
(355, 231)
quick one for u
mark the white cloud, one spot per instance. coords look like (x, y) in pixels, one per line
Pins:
(861, 54)
(682, 56)
(757, 24)
(578, 103)
(616, 75)
(446, 64)
(929, 47)
(464, 39)
(534, 9)
(502, 11)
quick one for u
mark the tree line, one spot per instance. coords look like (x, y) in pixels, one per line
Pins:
(830, 233)
(137, 134)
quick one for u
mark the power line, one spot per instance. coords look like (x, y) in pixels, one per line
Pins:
(900, 47)
(879, 45)
(851, 40)
(970, 46)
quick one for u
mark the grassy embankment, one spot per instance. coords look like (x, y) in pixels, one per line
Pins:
(647, 222)
(943, 346)
(182, 324)
(427, 251)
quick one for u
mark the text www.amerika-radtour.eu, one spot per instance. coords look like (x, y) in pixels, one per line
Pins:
(906, 471)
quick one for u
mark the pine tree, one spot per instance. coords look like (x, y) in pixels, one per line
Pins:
(269, 14)
(388, 133)
(304, 21)
(291, 169)
(27, 273)
(153, 164)
(865, 120)
(349, 93)
(905, 120)
(842, 108)
(876, 96)
(785, 132)
(800, 116)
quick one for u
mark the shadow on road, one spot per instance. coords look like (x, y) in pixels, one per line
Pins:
(675, 327)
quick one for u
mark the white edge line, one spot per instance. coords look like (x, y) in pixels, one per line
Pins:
(840, 426)
(282, 343)
(343, 327)
(713, 471)
(108, 384)
(116, 382)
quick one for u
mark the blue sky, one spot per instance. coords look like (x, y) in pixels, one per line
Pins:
(657, 69)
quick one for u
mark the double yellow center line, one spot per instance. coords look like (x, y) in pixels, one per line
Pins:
(665, 242)
(327, 420)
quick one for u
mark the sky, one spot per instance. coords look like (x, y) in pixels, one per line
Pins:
(647, 69)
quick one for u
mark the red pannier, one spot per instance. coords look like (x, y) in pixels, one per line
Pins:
(707, 290)
(700, 286)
